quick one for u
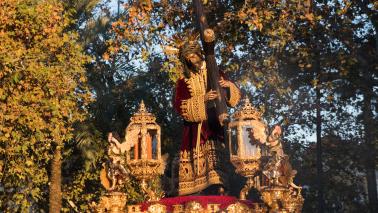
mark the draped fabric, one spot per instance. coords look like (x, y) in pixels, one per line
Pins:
(202, 151)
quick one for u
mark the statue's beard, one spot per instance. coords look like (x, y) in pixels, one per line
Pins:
(194, 67)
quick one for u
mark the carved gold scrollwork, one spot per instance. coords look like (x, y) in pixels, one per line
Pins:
(193, 207)
(238, 208)
(234, 96)
(213, 208)
(134, 209)
(157, 208)
(178, 209)
(248, 186)
(268, 170)
(111, 202)
(247, 112)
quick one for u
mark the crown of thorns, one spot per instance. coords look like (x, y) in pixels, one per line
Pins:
(184, 46)
(188, 48)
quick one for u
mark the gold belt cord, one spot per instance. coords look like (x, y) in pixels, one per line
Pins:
(198, 144)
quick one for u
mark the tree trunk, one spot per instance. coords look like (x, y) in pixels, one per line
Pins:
(369, 146)
(370, 138)
(369, 153)
(318, 77)
(319, 151)
(55, 189)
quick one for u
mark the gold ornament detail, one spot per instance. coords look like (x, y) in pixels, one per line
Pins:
(193, 109)
(178, 208)
(244, 154)
(157, 208)
(238, 208)
(209, 35)
(197, 172)
(142, 116)
(259, 157)
(213, 207)
(194, 207)
(134, 209)
(247, 112)
(234, 96)
(178, 42)
(111, 202)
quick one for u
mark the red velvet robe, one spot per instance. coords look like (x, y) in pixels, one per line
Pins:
(212, 131)
(189, 136)
(200, 166)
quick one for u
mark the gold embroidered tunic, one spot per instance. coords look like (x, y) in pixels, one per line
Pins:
(202, 152)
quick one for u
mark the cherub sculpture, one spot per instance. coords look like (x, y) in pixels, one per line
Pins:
(115, 171)
(278, 167)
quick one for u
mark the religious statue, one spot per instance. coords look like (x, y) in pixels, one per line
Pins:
(202, 155)
(278, 169)
(116, 172)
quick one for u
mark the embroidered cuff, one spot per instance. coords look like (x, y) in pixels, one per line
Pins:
(193, 109)
(234, 96)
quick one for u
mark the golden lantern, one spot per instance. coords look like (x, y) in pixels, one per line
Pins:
(144, 157)
(246, 133)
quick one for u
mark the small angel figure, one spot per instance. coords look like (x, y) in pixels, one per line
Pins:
(116, 171)
(274, 143)
(116, 149)
(272, 169)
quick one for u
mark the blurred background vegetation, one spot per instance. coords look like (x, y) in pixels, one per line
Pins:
(73, 70)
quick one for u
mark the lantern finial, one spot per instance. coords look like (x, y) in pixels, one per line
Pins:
(247, 111)
(142, 107)
(142, 115)
(246, 101)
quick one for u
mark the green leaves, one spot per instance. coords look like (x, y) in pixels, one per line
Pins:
(40, 67)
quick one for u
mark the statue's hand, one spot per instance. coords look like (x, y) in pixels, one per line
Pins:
(211, 95)
(110, 136)
(224, 83)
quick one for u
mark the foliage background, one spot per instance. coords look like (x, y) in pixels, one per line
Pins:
(292, 58)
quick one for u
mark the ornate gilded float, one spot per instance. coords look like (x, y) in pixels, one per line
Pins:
(255, 152)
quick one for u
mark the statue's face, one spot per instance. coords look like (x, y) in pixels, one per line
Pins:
(195, 61)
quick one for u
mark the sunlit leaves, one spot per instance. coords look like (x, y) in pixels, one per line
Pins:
(42, 93)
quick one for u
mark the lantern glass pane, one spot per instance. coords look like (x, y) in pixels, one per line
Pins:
(250, 147)
(234, 142)
(152, 144)
(154, 147)
(138, 149)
